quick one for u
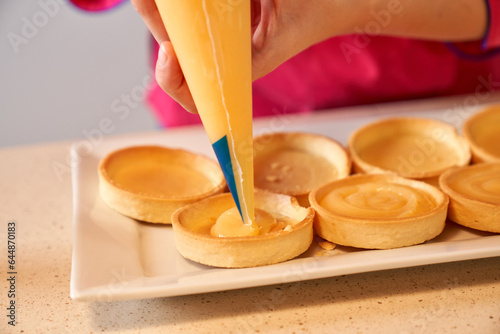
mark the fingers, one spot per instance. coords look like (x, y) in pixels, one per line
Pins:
(149, 13)
(168, 71)
(171, 79)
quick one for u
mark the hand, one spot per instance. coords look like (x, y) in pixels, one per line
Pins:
(280, 29)
(168, 72)
(283, 28)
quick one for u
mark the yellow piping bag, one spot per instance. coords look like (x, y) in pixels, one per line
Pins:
(212, 41)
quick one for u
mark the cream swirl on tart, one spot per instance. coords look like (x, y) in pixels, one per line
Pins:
(484, 187)
(482, 131)
(474, 196)
(377, 200)
(378, 211)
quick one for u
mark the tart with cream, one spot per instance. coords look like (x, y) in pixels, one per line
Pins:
(474, 193)
(211, 231)
(294, 163)
(149, 183)
(414, 148)
(378, 211)
(482, 131)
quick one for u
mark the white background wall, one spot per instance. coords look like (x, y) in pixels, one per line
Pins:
(65, 73)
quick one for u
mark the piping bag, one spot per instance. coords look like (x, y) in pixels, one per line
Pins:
(212, 41)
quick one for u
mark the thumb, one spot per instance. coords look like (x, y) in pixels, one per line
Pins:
(170, 78)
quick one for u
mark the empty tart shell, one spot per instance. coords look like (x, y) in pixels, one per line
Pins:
(415, 148)
(192, 225)
(294, 163)
(474, 193)
(482, 131)
(149, 183)
(378, 211)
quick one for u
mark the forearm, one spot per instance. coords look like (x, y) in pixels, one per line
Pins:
(450, 20)
(445, 20)
(290, 26)
(300, 24)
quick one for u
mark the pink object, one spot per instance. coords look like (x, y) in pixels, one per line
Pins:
(492, 38)
(95, 5)
(356, 70)
(360, 69)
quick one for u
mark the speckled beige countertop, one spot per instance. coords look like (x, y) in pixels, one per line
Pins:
(460, 297)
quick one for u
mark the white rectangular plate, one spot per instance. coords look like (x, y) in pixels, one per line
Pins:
(115, 257)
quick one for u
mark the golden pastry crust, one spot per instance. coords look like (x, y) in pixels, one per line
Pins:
(482, 132)
(294, 163)
(474, 193)
(149, 183)
(414, 148)
(192, 223)
(414, 220)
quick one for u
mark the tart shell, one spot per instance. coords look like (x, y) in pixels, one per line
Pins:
(419, 158)
(467, 210)
(239, 252)
(485, 121)
(151, 204)
(311, 147)
(379, 233)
